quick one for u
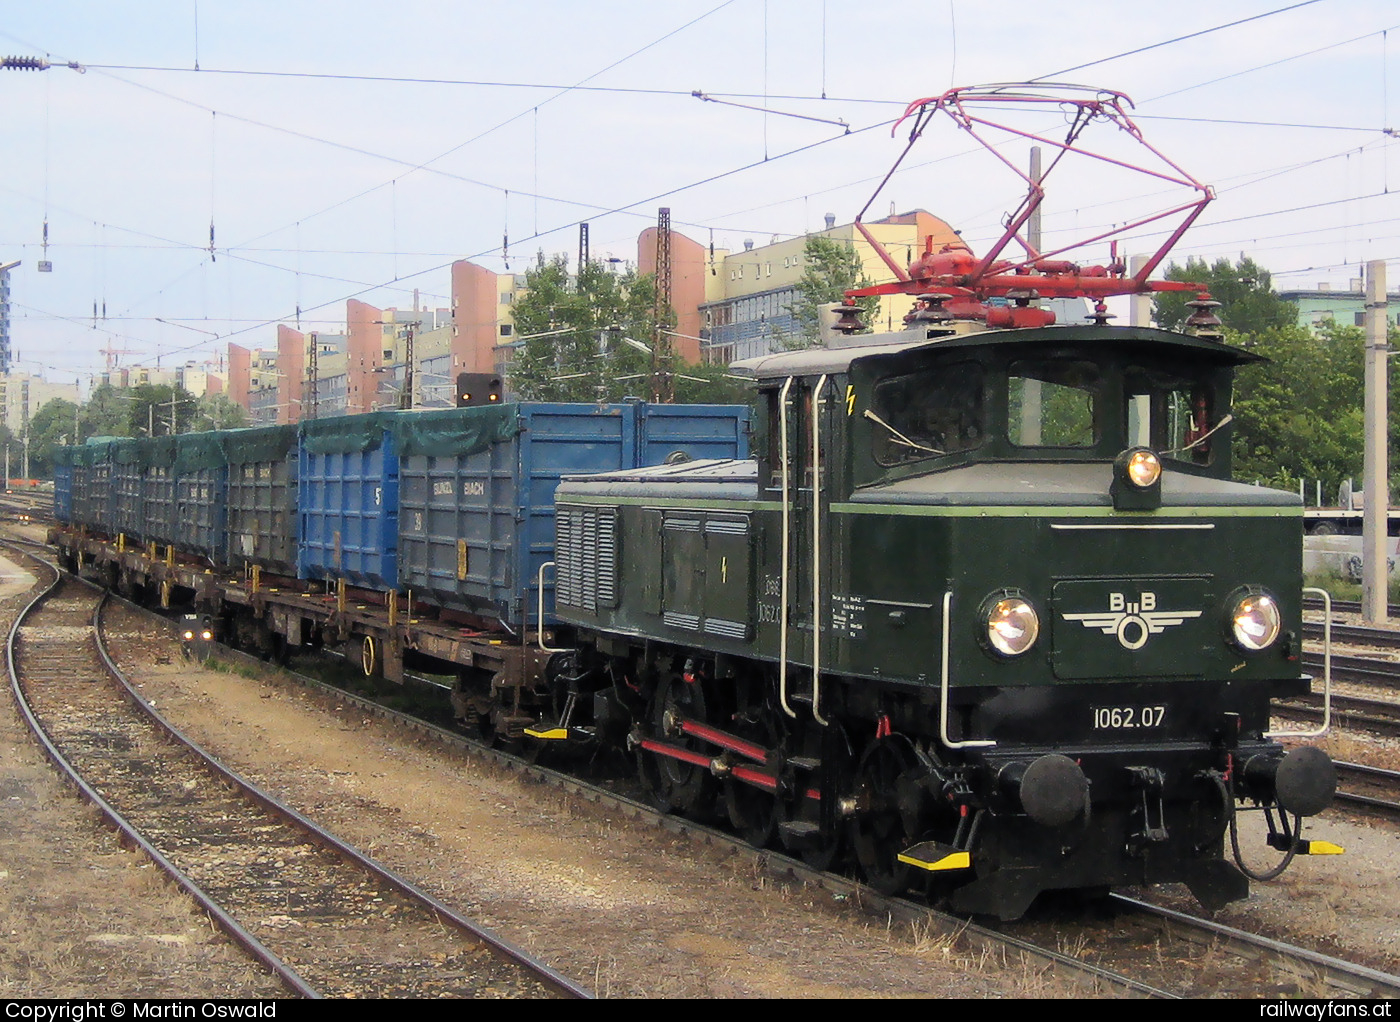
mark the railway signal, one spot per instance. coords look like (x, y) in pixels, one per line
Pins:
(478, 389)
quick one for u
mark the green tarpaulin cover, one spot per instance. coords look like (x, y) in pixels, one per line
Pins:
(196, 451)
(454, 432)
(260, 443)
(345, 434)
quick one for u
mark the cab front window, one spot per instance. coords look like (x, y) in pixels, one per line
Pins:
(1053, 403)
(1171, 414)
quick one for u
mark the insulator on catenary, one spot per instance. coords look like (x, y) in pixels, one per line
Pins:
(24, 63)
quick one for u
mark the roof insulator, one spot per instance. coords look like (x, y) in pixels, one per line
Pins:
(1101, 315)
(929, 309)
(1203, 322)
(848, 320)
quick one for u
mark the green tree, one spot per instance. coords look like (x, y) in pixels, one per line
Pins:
(1249, 303)
(830, 269)
(712, 385)
(107, 413)
(218, 411)
(600, 327)
(1299, 415)
(52, 426)
(158, 409)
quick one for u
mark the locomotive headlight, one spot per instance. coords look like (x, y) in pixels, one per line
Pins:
(1137, 480)
(1143, 468)
(1012, 624)
(1255, 621)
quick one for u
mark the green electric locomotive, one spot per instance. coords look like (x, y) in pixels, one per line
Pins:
(986, 607)
(986, 611)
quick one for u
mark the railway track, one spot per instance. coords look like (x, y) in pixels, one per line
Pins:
(1345, 606)
(323, 917)
(1339, 977)
(1370, 788)
(1194, 942)
(1374, 790)
(1354, 635)
(25, 507)
(1381, 716)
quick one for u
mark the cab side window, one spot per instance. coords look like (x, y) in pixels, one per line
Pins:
(928, 414)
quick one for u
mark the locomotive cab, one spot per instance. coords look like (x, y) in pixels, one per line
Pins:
(1037, 401)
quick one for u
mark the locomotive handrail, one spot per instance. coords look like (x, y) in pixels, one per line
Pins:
(1326, 672)
(539, 621)
(943, 686)
(787, 542)
(817, 549)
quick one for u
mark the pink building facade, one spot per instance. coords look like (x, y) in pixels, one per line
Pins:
(291, 373)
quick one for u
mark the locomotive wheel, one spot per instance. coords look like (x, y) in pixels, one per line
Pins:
(677, 787)
(753, 812)
(877, 829)
(833, 748)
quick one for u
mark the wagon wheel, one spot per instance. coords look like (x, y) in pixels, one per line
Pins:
(371, 658)
(877, 829)
(677, 787)
(469, 707)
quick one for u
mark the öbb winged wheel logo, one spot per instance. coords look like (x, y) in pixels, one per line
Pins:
(1133, 622)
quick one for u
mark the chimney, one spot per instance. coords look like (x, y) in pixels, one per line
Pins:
(830, 221)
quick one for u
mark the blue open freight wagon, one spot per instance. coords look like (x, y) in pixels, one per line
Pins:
(476, 488)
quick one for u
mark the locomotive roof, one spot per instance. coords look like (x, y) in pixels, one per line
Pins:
(815, 361)
(1013, 483)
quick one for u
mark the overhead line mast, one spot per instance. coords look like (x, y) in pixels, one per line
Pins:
(663, 384)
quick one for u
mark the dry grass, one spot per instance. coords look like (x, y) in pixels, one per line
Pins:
(929, 939)
(1310, 984)
(1362, 748)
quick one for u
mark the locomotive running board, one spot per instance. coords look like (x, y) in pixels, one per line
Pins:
(935, 857)
(1302, 847)
(548, 731)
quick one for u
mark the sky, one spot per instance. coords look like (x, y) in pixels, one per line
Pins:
(355, 149)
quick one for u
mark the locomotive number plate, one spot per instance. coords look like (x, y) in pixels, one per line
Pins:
(1127, 718)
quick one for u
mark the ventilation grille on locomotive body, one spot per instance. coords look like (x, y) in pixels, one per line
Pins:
(585, 555)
